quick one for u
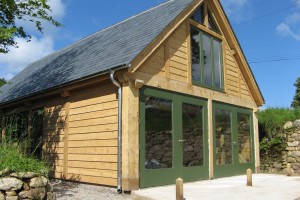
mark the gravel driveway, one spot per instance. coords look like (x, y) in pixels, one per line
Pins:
(78, 191)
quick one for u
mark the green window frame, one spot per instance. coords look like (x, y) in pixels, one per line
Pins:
(206, 73)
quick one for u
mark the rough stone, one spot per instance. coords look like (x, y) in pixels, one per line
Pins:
(36, 193)
(11, 193)
(297, 123)
(2, 196)
(38, 182)
(26, 187)
(288, 125)
(4, 172)
(295, 166)
(296, 154)
(24, 175)
(12, 198)
(293, 144)
(49, 188)
(291, 160)
(51, 196)
(277, 165)
(10, 184)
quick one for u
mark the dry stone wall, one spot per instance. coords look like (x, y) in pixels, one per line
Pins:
(291, 154)
(18, 186)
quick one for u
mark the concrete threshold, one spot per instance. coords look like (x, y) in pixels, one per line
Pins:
(265, 186)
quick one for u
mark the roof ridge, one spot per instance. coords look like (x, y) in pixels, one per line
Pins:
(107, 28)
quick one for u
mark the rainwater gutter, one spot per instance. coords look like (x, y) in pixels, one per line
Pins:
(116, 83)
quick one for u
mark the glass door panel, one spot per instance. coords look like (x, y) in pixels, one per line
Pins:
(244, 137)
(223, 132)
(158, 133)
(192, 134)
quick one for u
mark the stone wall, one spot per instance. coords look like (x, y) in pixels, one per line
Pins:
(18, 186)
(292, 152)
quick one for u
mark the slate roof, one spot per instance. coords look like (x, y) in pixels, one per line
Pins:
(113, 47)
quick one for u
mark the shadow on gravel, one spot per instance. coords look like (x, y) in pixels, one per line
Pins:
(64, 189)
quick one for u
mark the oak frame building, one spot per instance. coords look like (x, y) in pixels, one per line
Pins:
(163, 94)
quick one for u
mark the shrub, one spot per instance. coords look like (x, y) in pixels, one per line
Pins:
(14, 158)
(272, 120)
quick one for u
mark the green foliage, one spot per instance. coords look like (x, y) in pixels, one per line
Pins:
(34, 11)
(273, 146)
(19, 151)
(14, 158)
(2, 82)
(296, 100)
(272, 120)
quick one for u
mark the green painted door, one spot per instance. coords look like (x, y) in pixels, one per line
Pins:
(233, 140)
(173, 138)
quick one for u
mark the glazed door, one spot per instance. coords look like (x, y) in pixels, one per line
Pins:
(173, 138)
(233, 140)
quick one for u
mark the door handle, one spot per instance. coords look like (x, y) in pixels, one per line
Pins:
(234, 144)
(181, 141)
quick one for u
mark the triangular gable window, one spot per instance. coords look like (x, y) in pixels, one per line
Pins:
(212, 23)
(198, 15)
(204, 17)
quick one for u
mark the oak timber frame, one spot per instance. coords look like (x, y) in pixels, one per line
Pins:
(243, 92)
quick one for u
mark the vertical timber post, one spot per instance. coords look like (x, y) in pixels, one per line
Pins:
(256, 142)
(288, 169)
(179, 189)
(249, 177)
(130, 135)
(210, 138)
(3, 129)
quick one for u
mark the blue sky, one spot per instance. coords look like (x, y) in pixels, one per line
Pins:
(268, 31)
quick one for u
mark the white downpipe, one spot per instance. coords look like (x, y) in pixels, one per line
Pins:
(116, 83)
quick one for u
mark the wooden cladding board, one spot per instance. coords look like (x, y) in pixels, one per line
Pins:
(53, 137)
(170, 60)
(93, 126)
(235, 82)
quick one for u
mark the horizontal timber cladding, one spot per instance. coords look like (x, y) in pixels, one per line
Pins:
(53, 136)
(178, 63)
(93, 132)
(235, 84)
(170, 59)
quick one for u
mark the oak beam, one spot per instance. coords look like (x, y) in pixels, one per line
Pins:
(130, 137)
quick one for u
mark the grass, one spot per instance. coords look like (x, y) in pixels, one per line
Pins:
(14, 158)
(273, 119)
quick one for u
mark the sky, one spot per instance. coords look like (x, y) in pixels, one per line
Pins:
(268, 31)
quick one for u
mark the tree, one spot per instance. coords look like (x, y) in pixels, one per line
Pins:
(2, 82)
(296, 100)
(12, 11)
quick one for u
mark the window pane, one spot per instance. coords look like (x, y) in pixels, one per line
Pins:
(212, 23)
(223, 137)
(217, 63)
(207, 60)
(17, 126)
(158, 135)
(244, 137)
(192, 122)
(37, 132)
(195, 45)
(198, 15)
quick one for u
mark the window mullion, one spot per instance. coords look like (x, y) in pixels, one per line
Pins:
(212, 61)
(201, 57)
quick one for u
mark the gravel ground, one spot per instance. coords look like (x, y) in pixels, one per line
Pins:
(77, 191)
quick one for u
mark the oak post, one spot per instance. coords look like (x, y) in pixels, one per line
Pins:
(249, 177)
(179, 189)
(130, 137)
